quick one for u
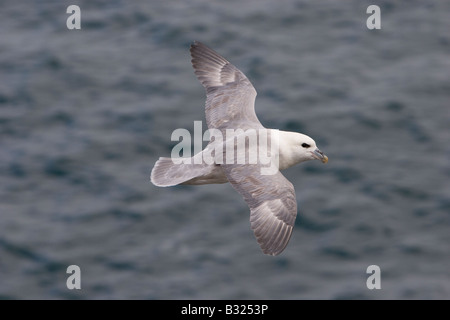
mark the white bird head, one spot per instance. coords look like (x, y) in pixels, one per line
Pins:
(296, 147)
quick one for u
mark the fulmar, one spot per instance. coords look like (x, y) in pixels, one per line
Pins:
(230, 107)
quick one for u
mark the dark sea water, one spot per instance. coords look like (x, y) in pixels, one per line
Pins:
(84, 115)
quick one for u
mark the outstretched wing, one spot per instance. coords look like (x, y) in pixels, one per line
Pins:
(230, 96)
(272, 202)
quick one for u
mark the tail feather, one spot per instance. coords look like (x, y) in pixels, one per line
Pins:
(165, 173)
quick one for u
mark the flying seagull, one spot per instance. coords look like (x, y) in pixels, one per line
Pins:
(230, 104)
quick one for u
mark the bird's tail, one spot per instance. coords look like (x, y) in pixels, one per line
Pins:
(166, 173)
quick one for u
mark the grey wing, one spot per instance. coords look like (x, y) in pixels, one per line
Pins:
(272, 202)
(230, 96)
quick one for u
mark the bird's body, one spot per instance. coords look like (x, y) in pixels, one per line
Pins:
(230, 111)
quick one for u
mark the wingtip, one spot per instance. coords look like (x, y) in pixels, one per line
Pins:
(270, 253)
(273, 251)
(196, 44)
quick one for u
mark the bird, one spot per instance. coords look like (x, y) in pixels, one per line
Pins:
(230, 105)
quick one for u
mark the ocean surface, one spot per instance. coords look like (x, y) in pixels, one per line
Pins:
(84, 115)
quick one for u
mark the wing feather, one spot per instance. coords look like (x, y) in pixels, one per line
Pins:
(230, 96)
(272, 203)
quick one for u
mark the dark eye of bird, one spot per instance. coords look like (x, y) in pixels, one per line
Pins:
(305, 145)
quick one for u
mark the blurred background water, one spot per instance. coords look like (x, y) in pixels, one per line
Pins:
(84, 114)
